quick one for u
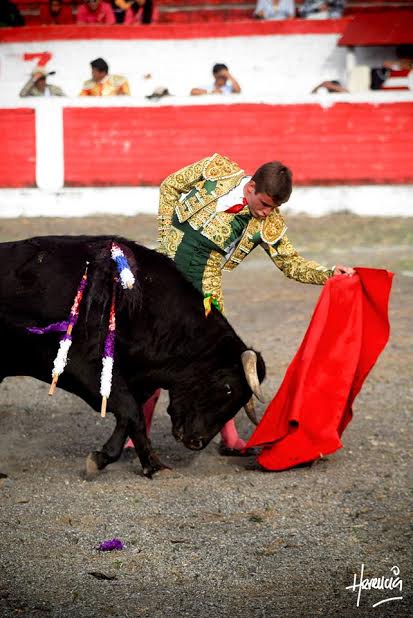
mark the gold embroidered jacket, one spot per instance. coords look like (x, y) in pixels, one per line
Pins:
(111, 85)
(188, 202)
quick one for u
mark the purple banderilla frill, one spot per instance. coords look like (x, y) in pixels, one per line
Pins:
(56, 327)
(108, 356)
(67, 327)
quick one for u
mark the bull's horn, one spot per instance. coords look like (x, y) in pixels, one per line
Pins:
(250, 411)
(249, 362)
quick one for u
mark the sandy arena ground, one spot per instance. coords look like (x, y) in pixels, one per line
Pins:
(216, 537)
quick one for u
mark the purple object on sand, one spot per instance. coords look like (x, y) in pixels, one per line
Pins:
(111, 545)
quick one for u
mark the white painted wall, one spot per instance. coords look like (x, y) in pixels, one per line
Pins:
(266, 66)
(377, 200)
(270, 69)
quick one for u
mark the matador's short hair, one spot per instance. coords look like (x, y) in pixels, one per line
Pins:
(274, 179)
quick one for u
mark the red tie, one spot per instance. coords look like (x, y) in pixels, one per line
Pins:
(237, 207)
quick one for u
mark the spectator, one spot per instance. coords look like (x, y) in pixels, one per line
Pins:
(132, 11)
(224, 82)
(332, 85)
(95, 12)
(269, 9)
(102, 84)
(37, 86)
(358, 80)
(10, 14)
(56, 13)
(322, 9)
(395, 74)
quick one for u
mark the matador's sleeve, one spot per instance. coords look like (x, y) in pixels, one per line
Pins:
(292, 265)
(170, 191)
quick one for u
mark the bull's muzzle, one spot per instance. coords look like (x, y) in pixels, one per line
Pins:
(195, 444)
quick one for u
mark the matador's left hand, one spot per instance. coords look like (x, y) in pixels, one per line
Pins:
(343, 270)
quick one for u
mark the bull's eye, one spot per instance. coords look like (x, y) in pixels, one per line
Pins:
(228, 389)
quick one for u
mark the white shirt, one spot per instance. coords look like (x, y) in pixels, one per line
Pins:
(235, 196)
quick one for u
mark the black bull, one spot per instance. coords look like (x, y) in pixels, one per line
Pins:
(163, 339)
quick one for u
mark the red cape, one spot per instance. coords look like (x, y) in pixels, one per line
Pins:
(347, 332)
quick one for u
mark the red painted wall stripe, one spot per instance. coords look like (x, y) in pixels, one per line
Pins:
(172, 31)
(18, 148)
(346, 143)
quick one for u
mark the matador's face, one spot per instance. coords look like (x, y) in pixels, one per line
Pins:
(260, 204)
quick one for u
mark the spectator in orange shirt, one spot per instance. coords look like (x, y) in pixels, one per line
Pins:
(95, 12)
(102, 84)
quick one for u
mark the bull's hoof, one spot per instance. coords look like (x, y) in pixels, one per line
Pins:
(156, 471)
(226, 451)
(91, 467)
(165, 473)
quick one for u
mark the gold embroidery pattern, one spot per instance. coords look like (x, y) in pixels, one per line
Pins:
(244, 246)
(221, 167)
(172, 242)
(212, 277)
(218, 229)
(171, 189)
(192, 205)
(286, 258)
(272, 228)
(201, 217)
(225, 185)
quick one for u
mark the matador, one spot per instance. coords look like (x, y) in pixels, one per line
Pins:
(212, 215)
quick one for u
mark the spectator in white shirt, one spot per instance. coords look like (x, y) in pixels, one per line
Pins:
(224, 82)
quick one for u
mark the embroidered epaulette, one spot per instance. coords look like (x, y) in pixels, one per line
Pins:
(219, 166)
(273, 228)
(117, 80)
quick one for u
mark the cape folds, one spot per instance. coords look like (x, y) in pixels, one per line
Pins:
(313, 405)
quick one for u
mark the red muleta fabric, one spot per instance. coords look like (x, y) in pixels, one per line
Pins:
(313, 405)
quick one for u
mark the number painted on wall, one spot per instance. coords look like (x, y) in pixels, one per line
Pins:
(41, 57)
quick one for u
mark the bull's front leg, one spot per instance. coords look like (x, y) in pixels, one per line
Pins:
(129, 421)
(111, 450)
(151, 464)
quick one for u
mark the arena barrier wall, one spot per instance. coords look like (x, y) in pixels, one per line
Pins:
(57, 145)
(18, 151)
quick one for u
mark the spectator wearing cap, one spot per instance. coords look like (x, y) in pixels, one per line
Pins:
(102, 84)
(95, 12)
(37, 86)
(224, 82)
